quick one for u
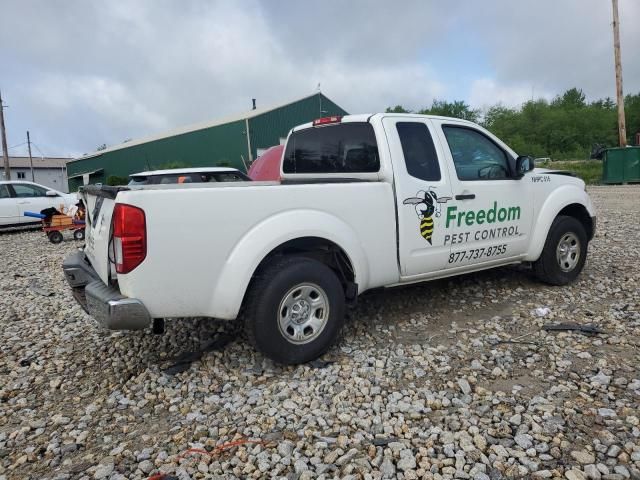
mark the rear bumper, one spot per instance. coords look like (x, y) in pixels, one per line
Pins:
(105, 304)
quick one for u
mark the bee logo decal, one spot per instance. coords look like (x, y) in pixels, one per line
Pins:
(427, 204)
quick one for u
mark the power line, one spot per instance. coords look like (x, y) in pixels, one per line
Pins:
(18, 145)
(38, 148)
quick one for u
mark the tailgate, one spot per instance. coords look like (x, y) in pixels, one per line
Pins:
(99, 201)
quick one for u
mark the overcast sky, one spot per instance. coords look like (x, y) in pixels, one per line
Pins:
(81, 73)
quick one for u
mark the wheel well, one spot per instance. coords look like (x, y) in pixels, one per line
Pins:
(580, 213)
(322, 250)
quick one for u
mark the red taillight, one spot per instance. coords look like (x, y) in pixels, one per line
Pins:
(325, 120)
(129, 237)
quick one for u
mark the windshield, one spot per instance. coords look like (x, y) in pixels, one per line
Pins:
(139, 180)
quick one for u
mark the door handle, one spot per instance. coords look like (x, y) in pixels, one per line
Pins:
(25, 202)
(466, 196)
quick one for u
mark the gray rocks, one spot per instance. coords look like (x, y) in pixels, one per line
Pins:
(583, 457)
(103, 471)
(427, 382)
(407, 461)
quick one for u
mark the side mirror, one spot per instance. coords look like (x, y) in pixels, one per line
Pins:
(524, 164)
(51, 193)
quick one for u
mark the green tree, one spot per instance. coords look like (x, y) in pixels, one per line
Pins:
(397, 109)
(456, 109)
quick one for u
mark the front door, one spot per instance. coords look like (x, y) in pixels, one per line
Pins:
(33, 198)
(489, 219)
(422, 190)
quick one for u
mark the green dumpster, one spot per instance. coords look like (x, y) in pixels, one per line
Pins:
(621, 165)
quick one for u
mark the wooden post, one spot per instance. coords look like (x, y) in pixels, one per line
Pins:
(622, 130)
(5, 150)
(33, 178)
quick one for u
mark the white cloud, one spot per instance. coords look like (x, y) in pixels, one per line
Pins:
(79, 74)
(486, 92)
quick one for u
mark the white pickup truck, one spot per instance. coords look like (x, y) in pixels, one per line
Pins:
(365, 201)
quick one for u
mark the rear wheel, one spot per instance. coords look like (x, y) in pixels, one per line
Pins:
(564, 253)
(294, 310)
(55, 236)
(79, 234)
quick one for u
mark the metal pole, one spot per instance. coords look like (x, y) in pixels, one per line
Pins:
(33, 178)
(246, 127)
(5, 150)
(622, 130)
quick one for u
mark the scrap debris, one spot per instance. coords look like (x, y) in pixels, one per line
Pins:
(589, 329)
(183, 362)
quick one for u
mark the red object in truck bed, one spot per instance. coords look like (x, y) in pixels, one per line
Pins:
(267, 165)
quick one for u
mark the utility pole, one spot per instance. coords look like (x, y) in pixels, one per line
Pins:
(5, 150)
(622, 130)
(33, 178)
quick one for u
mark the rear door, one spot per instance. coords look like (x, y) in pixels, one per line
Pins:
(9, 212)
(491, 212)
(422, 193)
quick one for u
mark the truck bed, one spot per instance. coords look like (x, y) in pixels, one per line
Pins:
(185, 247)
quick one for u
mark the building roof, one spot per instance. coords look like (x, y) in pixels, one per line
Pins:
(38, 162)
(198, 126)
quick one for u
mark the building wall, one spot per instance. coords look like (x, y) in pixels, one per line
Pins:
(220, 145)
(55, 178)
(267, 129)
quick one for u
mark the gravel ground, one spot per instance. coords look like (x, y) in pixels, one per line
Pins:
(452, 379)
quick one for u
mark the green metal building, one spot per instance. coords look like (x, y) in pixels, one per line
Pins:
(231, 142)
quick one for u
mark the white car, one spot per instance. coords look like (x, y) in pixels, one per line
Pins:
(366, 201)
(17, 197)
(188, 175)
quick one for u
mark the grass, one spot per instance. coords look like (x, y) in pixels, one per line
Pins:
(588, 170)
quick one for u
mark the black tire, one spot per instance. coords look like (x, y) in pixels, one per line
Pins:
(263, 314)
(548, 267)
(55, 237)
(78, 234)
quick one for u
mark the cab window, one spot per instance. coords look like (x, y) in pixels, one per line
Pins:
(343, 148)
(475, 156)
(420, 155)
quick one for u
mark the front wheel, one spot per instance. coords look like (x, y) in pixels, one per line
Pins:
(564, 253)
(294, 310)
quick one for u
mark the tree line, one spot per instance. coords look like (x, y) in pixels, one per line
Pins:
(564, 128)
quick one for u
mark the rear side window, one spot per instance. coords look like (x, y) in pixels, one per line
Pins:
(419, 152)
(344, 148)
(4, 191)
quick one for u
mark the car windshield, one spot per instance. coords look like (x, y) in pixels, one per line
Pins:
(139, 180)
(191, 177)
